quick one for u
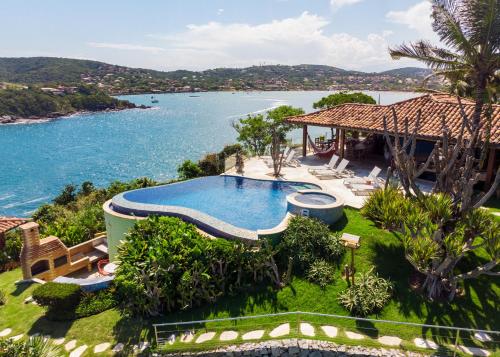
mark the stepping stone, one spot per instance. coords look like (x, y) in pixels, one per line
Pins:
(228, 335)
(423, 343)
(171, 339)
(70, 345)
(204, 337)
(482, 336)
(187, 336)
(306, 329)
(330, 331)
(475, 351)
(78, 352)
(281, 330)
(16, 338)
(354, 335)
(101, 347)
(28, 299)
(118, 347)
(5, 332)
(253, 335)
(142, 346)
(58, 341)
(389, 340)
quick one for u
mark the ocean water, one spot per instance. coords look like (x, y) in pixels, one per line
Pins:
(221, 196)
(38, 159)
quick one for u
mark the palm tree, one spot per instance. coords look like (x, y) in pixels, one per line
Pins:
(470, 30)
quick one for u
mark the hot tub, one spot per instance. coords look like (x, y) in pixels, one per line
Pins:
(316, 204)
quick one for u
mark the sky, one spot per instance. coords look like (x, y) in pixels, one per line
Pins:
(204, 34)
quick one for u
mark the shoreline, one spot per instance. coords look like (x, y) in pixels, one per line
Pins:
(50, 118)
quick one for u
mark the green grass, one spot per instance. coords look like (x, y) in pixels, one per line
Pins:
(493, 204)
(379, 249)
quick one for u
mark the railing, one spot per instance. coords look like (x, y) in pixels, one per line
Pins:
(447, 339)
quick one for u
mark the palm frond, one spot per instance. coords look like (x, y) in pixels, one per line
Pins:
(435, 57)
(481, 22)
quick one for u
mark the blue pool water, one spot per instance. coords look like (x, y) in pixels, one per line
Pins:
(241, 202)
(39, 159)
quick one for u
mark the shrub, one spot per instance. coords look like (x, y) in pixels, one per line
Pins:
(321, 273)
(35, 346)
(61, 300)
(166, 265)
(370, 294)
(307, 240)
(95, 302)
(188, 170)
(385, 207)
(3, 298)
(67, 196)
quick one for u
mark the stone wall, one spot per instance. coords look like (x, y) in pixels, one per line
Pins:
(298, 348)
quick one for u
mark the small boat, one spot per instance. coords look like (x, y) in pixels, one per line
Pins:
(194, 96)
(154, 100)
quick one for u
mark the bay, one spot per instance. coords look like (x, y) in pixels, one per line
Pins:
(38, 159)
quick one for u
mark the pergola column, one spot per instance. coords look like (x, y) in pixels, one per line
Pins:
(304, 140)
(342, 143)
(491, 166)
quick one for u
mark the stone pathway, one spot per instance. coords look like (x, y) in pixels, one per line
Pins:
(253, 335)
(281, 330)
(423, 343)
(330, 331)
(306, 329)
(70, 345)
(16, 338)
(482, 336)
(58, 341)
(101, 347)
(171, 339)
(389, 340)
(204, 337)
(228, 335)
(118, 347)
(142, 346)
(187, 336)
(5, 332)
(78, 352)
(354, 335)
(475, 351)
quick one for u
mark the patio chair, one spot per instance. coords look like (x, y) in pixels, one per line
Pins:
(372, 177)
(287, 161)
(338, 172)
(330, 166)
(268, 158)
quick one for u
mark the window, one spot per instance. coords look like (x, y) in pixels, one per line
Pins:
(40, 267)
(62, 260)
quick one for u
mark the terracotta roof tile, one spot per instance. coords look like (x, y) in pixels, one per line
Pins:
(369, 117)
(8, 223)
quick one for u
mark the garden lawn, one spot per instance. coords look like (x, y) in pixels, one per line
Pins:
(379, 249)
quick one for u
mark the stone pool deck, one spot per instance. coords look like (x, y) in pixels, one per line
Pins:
(256, 168)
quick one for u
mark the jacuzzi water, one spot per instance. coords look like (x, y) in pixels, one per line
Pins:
(242, 202)
(316, 198)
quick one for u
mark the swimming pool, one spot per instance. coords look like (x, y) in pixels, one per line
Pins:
(244, 203)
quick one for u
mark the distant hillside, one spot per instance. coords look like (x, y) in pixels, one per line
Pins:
(122, 80)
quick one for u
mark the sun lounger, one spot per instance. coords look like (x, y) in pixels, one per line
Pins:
(268, 158)
(287, 161)
(372, 177)
(330, 166)
(338, 172)
(361, 189)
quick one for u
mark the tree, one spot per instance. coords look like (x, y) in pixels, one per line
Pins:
(342, 98)
(189, 170)
(278, 129)
(451, 225)
(259, 131)
(253, 133)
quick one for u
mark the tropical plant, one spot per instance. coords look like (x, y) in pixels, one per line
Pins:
(321, 272)
(342, 98)
(369, 294)
(166, 265)
(253, 133)
(35, 346)
(308, 239)
(471, 31)
(188, 170)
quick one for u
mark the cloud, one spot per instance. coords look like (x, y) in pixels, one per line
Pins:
(220, 11)
(416, 17)
(337, 4)
(126, 46)
(295, 40)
